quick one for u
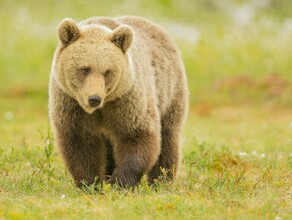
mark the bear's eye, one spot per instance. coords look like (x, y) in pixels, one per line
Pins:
(85, 70)
(107, 73)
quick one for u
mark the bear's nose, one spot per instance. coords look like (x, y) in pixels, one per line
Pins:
(94, 100)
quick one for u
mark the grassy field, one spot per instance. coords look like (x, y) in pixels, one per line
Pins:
(237, 142)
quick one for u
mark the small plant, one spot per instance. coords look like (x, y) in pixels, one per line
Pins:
(45, 164)
(290, 161)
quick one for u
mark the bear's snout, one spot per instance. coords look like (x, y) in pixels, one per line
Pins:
(94, 100)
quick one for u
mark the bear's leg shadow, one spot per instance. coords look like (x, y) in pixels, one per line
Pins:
(110, 163)
(84, 155)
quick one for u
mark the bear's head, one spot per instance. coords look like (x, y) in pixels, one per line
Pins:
(92, 63)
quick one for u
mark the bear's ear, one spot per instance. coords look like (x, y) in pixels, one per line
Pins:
(68, 31)
(122, 37)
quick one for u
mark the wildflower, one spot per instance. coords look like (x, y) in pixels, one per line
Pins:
(243, 154)
(9, 115)
(197, 185)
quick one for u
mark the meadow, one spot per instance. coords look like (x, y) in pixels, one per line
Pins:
(237, 141)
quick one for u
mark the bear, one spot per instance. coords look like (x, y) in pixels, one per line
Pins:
(118, 98)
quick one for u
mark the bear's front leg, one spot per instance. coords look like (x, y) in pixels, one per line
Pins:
(135, 155)
(84, 155)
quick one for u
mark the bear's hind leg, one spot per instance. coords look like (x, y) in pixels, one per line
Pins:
(168, 161)
(171, 127)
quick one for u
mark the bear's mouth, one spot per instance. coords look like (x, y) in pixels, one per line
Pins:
(89, 110)
(90, 106)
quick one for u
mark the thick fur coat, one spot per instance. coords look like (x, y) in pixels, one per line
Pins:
(118, 98)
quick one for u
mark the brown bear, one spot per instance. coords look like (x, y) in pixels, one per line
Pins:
(118, 98)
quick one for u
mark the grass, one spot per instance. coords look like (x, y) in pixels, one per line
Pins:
(225, 181)
(237, 141)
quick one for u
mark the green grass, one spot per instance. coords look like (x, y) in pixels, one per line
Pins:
(237, 141)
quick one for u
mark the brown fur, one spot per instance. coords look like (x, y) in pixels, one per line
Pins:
(137, 71)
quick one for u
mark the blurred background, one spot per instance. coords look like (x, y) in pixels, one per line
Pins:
(237, 54)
